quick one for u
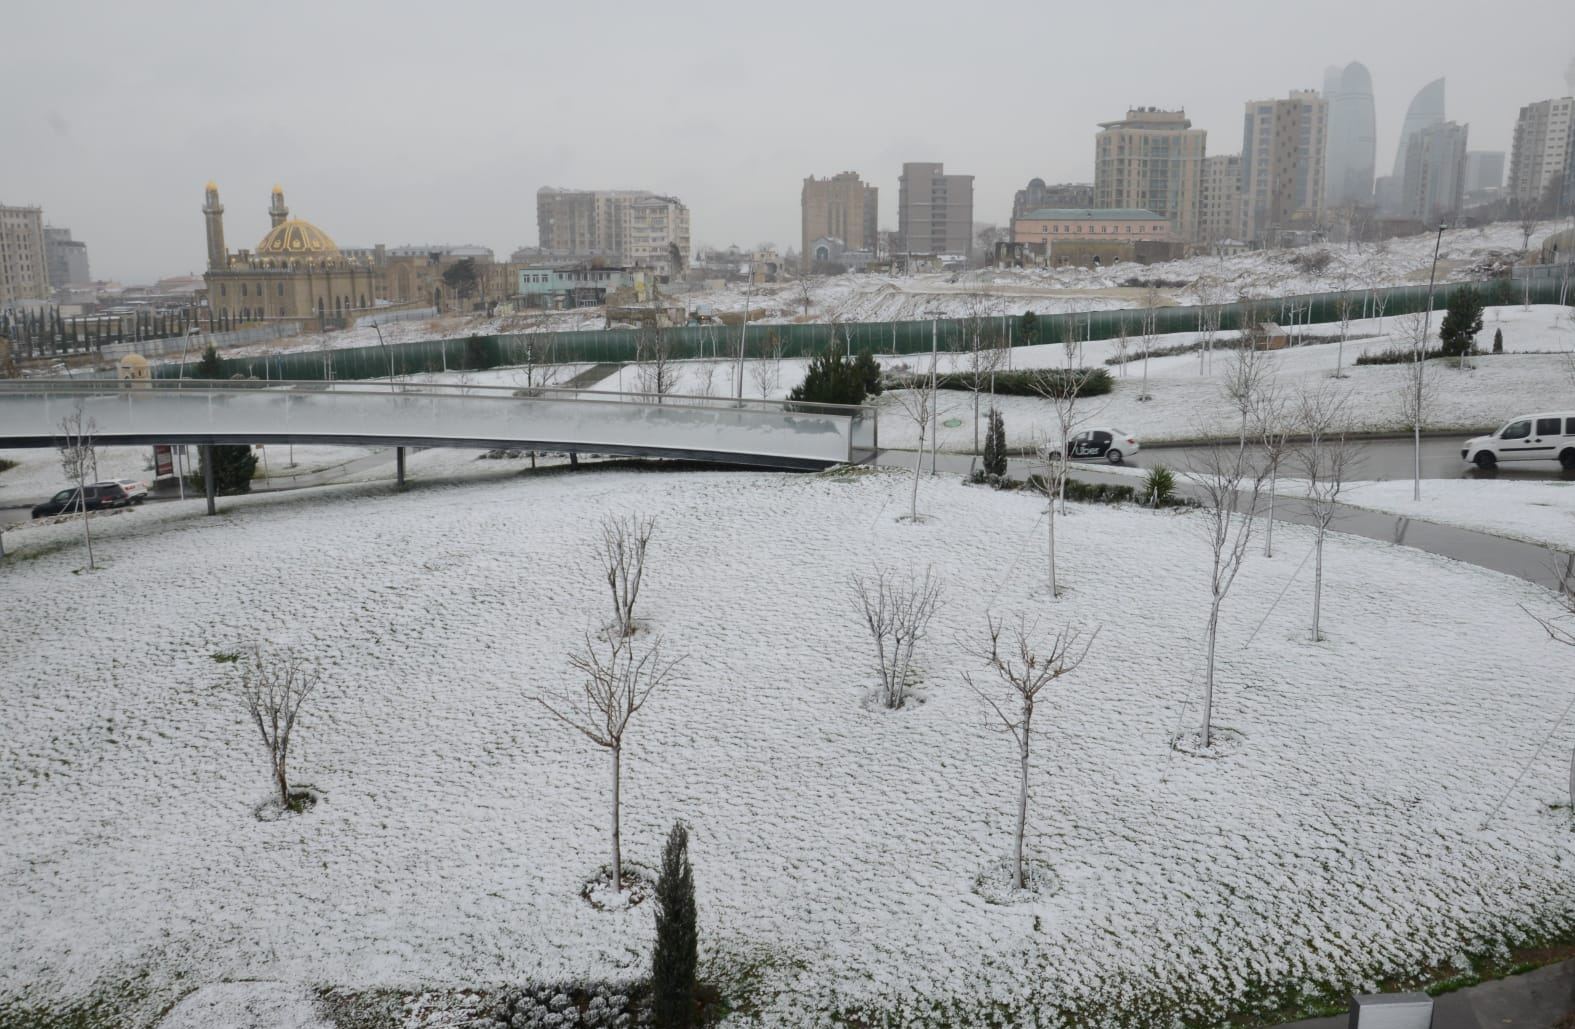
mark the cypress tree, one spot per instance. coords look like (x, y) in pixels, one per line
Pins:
(1458, 332)
(676, 955)
(995, 444)
(209, 367)
(1028, 327)
(1498, 341)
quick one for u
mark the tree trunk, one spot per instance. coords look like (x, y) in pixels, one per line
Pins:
(617, 839)
(1022, 808)
(1055, 591)
(281, 779)
(1268, 528)
(87, 524)
(1317, 583)
(918, 462)
(1206, 733)
(1416, 470)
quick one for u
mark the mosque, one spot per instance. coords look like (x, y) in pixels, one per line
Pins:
(295, 271)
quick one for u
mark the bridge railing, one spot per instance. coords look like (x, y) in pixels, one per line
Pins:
(783, 433)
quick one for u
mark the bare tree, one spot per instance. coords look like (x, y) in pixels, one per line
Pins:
(914, 401)
(1272, 422)
(274, 684)
(1123, 344)
(705, 377)
(1150, 323)
(767, 369)
(1246, 379)
(1061, 387)
(1378, 294)
(625, 539)
(1345, 306)
(79, 460)
(980, 359)
(1418, 392)
(1211, 296)
(805, 294)
(1229, 482)
(656, 371)
(896, 609)
(1023, 673)
(537, 371)
(617, 678)
(1323, 459)
(1528, 225)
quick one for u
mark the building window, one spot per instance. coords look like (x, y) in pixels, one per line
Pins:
(281, 289)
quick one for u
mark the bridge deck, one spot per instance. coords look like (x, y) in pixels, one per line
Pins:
(757, 432)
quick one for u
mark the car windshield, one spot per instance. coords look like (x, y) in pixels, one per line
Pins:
(1515, 430)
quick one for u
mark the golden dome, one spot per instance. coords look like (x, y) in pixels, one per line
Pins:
(277, 189)
(211, 186)
(295, 238)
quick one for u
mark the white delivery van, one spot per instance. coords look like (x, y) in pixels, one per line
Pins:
(1528, 437)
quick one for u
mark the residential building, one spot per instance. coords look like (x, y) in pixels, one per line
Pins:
(1540, 164)
(1283, 149)
(627, 226)
(580, 285)
(1151, 160)
(1484, 170)
(1050, 225)
(24, 271)
(66, 258)
(1037, 195)
(1219, 199)
(934, 210)
(1435, 174)
(1426, 110)
(1353, 136)
(843, 208)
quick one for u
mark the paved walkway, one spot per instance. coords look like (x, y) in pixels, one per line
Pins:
(1528, 561)
(1535, 1000)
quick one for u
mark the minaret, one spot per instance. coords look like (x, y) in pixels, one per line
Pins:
(213, 214)
(278, 214)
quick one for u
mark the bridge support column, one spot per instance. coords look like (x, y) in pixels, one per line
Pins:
(574, 459)
(399, 465)
(209, 487)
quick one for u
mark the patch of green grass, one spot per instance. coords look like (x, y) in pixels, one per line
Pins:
(6, 466)
(225, 657)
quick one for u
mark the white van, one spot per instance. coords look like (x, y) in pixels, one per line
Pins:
(1528, 437)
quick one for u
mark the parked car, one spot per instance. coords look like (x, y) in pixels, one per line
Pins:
(96, 497)
(1113, 445)
(136, 489)
(1527, 437)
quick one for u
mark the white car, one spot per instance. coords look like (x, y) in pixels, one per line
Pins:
(1113, 445)
(1527, 437)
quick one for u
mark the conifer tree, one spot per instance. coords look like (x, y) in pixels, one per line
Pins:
(676, 955)
(210, 367)
(1462, 322)
(1498, 341)
(995, 444)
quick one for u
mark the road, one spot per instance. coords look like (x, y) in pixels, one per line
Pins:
(1388, 458)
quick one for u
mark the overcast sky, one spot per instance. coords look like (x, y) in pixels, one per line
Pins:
(402, 122)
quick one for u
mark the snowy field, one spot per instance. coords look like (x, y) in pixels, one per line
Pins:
(1536, 372)
(835, 847)
(1538, 512)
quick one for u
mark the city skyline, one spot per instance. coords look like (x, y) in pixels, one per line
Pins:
(729, 129)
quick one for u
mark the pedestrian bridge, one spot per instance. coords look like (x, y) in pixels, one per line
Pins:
(764, 433)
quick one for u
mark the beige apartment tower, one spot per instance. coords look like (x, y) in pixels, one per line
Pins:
(1283, 149)
(934, 210)
(1151, 160)
(24, 272)
(1543, 153)
(841, 207)
(1219, 200)
(626, 225)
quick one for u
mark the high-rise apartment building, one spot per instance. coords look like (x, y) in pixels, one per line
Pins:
(24, 273)
(1151, 160)
(626, 225)
(1484, 170)
(1037, 196)
(1540, 165)
(1353, 136)
(1426, 110)
(66, 258)
(1283, 151)
(934, 210)
(1219, 199)
(1435, 173)
(842, 207)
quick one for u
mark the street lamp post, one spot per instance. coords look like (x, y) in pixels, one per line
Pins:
(387, 353)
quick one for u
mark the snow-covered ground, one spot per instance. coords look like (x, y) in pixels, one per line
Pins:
(1536, 372)
(1540, 512)
(834, 847)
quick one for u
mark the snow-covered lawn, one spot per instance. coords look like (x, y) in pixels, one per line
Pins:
(1536, 371)
(835, 847)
